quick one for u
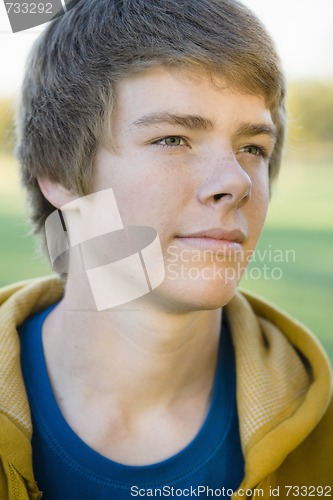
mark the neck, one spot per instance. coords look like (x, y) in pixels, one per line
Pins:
(121, 352)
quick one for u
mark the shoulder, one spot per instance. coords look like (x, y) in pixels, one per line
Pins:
(30, 292)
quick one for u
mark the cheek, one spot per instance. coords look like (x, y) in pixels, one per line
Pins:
(149, 198)
(146, 186)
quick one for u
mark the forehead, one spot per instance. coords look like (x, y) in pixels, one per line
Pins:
(185, 91)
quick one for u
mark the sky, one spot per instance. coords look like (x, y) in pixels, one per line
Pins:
(302, 30)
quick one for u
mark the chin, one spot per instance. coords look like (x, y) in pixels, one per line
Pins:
(191, 295)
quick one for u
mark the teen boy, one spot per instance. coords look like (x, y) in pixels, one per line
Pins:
(155, 129)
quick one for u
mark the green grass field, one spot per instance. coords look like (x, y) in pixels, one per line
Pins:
(296, 247)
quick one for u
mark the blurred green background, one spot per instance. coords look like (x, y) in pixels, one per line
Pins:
(294, 260)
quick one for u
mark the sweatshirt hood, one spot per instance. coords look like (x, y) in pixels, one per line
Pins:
(284, 383)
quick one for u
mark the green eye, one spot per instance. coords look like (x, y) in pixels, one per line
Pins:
(254, 150)
(171, 141)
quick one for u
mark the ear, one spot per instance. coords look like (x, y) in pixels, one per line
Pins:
(55, 193)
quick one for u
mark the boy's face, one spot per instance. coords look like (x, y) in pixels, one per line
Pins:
(190, 159)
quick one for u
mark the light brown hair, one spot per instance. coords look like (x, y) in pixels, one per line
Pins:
(68, 88)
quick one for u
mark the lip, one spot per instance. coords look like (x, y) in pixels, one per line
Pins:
(215, 238)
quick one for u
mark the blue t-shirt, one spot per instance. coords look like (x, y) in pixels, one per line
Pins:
(66, 468)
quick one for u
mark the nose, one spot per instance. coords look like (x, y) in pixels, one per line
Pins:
(226, 184)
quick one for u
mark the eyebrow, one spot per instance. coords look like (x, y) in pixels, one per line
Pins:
(252, 129)
(196, 122)
(190, 122)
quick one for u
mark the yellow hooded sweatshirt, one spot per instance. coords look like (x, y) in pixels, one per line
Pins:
(284, 399)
